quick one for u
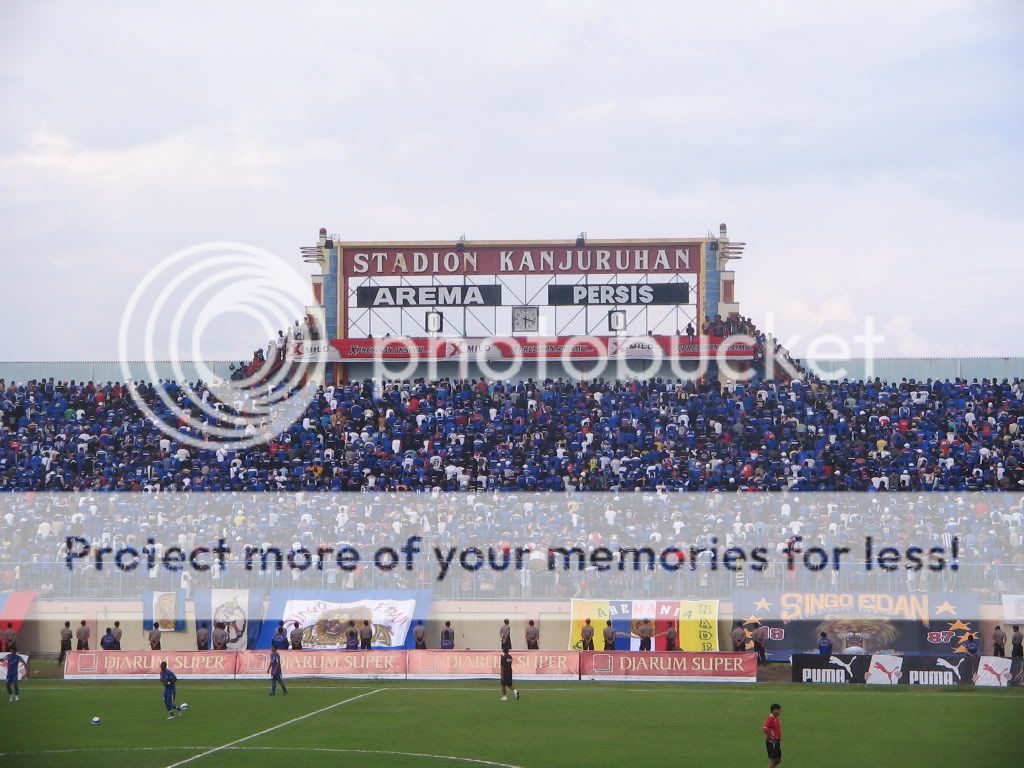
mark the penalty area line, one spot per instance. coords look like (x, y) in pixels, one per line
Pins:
(273, 728)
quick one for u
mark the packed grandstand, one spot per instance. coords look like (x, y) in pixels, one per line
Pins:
(527, 439)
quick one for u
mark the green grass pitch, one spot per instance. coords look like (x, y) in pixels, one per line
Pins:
(404, 724)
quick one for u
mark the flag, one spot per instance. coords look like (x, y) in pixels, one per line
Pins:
(324, 617)
(239, 610)
(698, 625)
(581, 610)
(14, 607)
(166, 608)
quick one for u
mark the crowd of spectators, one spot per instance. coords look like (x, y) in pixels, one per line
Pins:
(266, 362)
(535, 436)
(524, 439)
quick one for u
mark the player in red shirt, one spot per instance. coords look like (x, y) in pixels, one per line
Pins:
(773, 735)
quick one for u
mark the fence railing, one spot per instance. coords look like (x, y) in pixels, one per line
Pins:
(535, 581)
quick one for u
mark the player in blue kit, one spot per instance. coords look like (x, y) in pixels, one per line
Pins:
(169, 680)
(13, 660)
(275, 673)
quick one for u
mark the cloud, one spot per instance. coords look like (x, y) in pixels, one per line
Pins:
(872, 168)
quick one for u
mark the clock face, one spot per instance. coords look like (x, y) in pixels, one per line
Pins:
(525, 319)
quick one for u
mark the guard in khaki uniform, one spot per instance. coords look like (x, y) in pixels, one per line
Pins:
(532, 637)
(608, 633)
(82, 636)
(587, 635)
(65, 642)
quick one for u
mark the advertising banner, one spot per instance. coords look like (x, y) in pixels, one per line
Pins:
(833, 668)
(695, 623)
(373, 665)
(22, 668)
(134, 665)
(526, 665)
(539, 348)
(1013, 609)
(882, 623)
(669, 666)
(884, 669)
(999, 672)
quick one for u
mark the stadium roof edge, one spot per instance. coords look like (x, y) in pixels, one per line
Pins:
(569, 243)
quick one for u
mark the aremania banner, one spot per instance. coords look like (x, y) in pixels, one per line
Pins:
(167, 609)
(238, 610)
(326, 618)
(695, 623)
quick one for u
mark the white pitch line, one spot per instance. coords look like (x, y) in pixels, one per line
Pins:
(274, 728)
(823, 689)
(450, 758)
(333, 750)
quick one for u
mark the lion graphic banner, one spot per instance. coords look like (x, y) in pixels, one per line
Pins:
(326, 618)
(861, 623)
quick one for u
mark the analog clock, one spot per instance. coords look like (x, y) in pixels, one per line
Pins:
(525, 319)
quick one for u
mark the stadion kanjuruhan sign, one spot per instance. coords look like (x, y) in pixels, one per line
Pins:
(515, 258)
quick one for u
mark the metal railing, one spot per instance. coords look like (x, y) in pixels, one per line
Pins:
(535, 581)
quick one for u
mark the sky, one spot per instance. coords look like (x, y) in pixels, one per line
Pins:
(870, 154)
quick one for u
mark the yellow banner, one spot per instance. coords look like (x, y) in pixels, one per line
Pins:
(698, 625)
(595, 610)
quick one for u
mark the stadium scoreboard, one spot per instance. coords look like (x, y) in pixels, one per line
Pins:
(470, 290)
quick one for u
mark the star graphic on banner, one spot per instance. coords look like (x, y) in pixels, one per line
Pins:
(752, 620)
(964, 638)
(955, 625)
(945, 607)
(762, 604)
(960, 649)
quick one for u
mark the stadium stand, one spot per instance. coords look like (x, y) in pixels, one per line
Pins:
(521, 438)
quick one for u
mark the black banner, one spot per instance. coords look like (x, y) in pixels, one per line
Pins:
(607, 294)
(382, 297)
(939, 670)
(832, 668)
(883, 669)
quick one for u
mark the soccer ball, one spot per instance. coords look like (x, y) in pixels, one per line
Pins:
(183, 707)
(96, 721)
